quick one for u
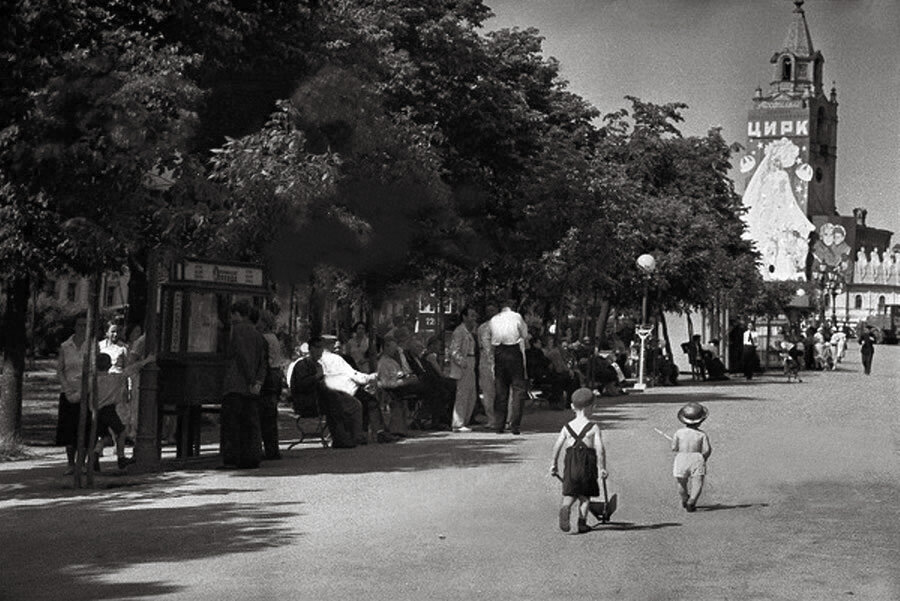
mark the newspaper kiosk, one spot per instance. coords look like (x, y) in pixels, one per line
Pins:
(195, 329)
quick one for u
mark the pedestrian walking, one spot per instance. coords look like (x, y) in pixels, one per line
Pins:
(749, 354)
(584, 453)
(245, 373)
(111, 387)
(69, 364)
(867, 349)
(693, 449)
(509, 333)
(462, 369)
(271, 388)
(486, 366)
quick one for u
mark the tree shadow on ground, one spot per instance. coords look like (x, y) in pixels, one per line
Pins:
(426, 452)
(68, 549)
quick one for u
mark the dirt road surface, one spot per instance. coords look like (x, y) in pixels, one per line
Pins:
(801, 504)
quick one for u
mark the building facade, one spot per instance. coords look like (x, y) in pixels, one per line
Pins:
(789, 191)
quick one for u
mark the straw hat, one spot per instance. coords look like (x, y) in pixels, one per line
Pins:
(692, 414)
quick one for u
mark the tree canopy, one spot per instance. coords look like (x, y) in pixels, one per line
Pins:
(394, 141)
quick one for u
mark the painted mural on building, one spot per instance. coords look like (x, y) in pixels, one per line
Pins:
(776, 220)
(831, 252)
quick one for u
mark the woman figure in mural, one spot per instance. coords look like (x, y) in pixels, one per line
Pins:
(774, 219)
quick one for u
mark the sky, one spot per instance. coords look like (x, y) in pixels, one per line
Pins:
(712, 54)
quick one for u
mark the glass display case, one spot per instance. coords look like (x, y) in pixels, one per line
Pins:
(195, 328)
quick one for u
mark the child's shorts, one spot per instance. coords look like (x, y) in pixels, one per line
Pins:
(689, 464)
(108, 418)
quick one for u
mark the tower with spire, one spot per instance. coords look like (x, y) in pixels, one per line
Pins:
(797, 107)
(791, 153)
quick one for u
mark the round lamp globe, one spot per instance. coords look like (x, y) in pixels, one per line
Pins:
(646, 263)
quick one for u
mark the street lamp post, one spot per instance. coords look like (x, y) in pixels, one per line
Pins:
(832, 283)
(647, 264)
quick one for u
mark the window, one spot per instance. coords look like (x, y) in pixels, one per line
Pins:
(857, 302)
(786, 69)
(71, 291)
(881, 304)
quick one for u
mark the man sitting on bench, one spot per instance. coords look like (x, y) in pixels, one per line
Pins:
(340, 388)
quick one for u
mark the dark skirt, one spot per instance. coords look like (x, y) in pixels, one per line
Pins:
(67, 423)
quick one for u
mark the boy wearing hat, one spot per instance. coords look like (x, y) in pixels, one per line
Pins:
(584, 451)
(693, 449)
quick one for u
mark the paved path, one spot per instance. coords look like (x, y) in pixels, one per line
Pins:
(801, 504)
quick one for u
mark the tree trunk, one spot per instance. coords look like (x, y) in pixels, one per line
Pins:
(602, 318)
(315, 307)
(14, 344)
(138, 287)
(665, 331)
(147, 448)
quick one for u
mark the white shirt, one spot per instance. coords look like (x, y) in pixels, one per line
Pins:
(68, 368)
(508, 327)
(340, 376)
(114, 350)
(749, 338)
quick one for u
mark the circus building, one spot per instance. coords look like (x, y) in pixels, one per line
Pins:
(789, 191)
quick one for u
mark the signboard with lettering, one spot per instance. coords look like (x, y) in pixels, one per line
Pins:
(776, 193)
(221, 273)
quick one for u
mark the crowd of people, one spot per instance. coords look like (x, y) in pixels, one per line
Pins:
(116, 400)
(372, 387)
(823, 347)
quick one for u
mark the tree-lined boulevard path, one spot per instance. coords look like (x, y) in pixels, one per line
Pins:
(801, 503)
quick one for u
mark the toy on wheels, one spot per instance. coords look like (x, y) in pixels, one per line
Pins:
(601, 510)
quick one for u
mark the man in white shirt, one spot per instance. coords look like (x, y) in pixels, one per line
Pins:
(749, 353)
(486, 366)
(509, 333)
(353, 409)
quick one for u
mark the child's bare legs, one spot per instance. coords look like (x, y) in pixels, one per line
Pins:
(565, 512)
(583, 505)
(683, 491)
(696, 489)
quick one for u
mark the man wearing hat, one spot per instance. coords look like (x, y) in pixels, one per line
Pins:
(693, 449)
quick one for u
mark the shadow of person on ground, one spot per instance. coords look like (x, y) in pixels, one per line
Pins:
(721, 506)
(631, 526)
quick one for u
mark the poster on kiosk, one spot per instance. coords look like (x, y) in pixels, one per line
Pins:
(196, 310)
